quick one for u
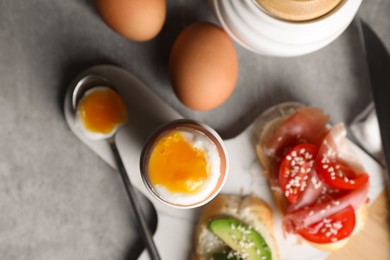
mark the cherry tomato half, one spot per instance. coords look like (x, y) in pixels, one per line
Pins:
(295, 170)
(338, 175)
(332, 229)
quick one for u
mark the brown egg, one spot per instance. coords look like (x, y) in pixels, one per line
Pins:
(203, 66)
(138, 20)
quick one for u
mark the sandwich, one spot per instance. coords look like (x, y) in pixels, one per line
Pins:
(235, 227)
(318, 183)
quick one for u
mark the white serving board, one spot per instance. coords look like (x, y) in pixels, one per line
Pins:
(174, 234)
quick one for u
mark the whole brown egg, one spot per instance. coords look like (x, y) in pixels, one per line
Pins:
(203, 66)
(138, 20)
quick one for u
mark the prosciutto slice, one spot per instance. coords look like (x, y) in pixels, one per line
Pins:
(305, 217)
(306, 125)
(312, 192)
(335, 147)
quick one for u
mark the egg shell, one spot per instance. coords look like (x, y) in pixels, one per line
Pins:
(203, 66)
(138, 20)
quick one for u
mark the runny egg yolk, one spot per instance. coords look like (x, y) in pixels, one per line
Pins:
(102, 110)
(177, 165)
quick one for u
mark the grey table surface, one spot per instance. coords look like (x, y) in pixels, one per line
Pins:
(58, 200)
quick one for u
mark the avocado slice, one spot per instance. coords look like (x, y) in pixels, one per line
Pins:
(241, 238)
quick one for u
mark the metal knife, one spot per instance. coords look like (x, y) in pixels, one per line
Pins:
(378, 61)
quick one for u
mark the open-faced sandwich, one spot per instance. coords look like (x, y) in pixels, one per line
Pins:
(317, 181)
(235, 227)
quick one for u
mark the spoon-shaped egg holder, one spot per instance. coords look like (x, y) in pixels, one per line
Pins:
(87, 83)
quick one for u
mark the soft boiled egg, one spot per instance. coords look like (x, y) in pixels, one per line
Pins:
(185, 167)
(100, 112)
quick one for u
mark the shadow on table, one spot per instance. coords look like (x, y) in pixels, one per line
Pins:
(280, 94)
(179, 16)
(135, 250)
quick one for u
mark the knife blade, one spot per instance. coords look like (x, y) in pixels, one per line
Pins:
(378, 61)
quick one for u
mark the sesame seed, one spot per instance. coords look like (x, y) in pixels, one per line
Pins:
(323, 211)
(352, 181)
(337, 225)
(311, 213)
(336, 202)
(293, 162)
(328, 225)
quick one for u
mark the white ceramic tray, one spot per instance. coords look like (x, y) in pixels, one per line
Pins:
(174, 234)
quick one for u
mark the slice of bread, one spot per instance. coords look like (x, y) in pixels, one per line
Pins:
(250, 210)
(266, 124)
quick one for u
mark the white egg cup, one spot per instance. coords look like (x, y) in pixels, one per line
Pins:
(253, 28)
